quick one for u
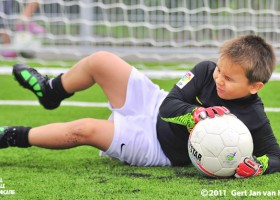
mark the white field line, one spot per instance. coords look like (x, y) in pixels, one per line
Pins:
(156, 74)
(64, 103)
(56, 71)
(81, 104)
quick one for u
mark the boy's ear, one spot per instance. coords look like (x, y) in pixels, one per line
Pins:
(255, 87)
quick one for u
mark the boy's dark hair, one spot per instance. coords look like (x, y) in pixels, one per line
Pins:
(252, 53)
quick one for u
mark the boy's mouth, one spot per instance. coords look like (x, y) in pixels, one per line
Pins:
(219, 90)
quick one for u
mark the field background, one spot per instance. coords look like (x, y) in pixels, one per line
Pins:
(80, 173)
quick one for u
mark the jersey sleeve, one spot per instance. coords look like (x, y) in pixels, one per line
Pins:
(267, 149)
(273, 164)
(181, 101)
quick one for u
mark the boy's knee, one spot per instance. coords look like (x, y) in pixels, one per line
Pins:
(82, 130)
(100, 56)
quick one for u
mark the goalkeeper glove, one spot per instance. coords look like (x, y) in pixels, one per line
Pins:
(248, 168)
(201, 113)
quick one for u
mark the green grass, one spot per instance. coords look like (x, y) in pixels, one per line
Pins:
(80, 173)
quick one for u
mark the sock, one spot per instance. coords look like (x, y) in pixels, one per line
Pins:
(58, 89)
(17, 136)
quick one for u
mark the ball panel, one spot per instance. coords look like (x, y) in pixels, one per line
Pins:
(211, 164)
(211, 125)
(225, 172)
(203, 170)
(211, 145)
(246, 144)
(199, 134)
(230, 137)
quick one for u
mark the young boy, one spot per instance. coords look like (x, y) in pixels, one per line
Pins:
(148, 125)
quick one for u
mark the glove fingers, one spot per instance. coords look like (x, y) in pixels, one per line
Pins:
(210, 112)
(250, 163)
(220, 110)
(248, 168)
(226, 111)
(203, 115)
(244, 170)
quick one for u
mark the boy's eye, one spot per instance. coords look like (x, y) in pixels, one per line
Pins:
(227, 78)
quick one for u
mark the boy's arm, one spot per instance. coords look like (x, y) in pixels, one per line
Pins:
(181, 105)
(199, 113)
(266, 151)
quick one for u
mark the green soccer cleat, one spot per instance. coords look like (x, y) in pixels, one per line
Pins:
(3, 139)
(29, 78)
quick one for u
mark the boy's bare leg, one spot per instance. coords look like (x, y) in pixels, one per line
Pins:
(107, 70)
(110, 72)
(93, 132)
(30, 9)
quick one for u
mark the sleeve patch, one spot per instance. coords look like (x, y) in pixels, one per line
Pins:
(185, 79)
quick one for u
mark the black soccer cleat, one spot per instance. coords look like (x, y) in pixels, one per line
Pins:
(15, 136)
(32, 80)
(3, 137)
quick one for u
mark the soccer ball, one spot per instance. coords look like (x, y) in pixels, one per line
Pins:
(218, 145)
(26, 44)
(23, 40)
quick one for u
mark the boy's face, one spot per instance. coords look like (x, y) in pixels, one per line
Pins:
(231, 82)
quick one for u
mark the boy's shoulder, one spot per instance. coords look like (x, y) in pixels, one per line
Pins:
(206, 65)
(204, 69)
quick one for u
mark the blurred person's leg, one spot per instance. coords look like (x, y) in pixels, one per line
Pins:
(25, 24)
(6, 7)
